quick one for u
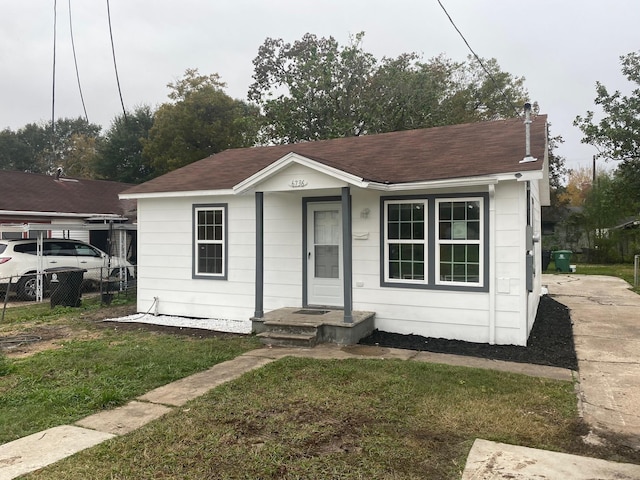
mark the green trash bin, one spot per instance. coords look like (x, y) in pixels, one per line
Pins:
(562, 259)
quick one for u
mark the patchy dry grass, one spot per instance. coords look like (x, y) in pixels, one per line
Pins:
(82, 365)
(351, 419)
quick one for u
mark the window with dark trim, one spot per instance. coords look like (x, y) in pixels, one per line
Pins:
(406, 247)
(459, 246)
(210, 241)
(435, 241)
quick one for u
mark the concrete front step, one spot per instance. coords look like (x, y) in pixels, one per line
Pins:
(292, 327)
(282, 339)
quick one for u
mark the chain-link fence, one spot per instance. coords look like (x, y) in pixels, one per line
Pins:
(66, 286)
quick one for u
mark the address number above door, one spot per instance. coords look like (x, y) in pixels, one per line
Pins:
(298, 183)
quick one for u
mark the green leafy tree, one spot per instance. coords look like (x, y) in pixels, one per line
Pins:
(120, 152)
(616, 134)
(39, 148)
(316, 89)
(201, 120)
(15, 154)
(71, 146)
(324, 85)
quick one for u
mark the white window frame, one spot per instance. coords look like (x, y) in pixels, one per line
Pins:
(479, 241)
(222, 208)
(388, 242)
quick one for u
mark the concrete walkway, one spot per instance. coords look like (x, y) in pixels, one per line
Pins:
(487, 460)
(606, 330)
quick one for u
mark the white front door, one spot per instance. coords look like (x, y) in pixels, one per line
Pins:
(324, 255)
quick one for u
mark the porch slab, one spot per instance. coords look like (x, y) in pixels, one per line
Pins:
(328, 326)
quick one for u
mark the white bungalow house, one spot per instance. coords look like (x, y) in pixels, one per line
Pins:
(433, 231)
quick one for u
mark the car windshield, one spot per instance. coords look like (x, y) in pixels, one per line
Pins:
(2, 248)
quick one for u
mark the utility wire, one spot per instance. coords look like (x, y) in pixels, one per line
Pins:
(53, 86)
(115, 65)
(75, 61)
(509, 102)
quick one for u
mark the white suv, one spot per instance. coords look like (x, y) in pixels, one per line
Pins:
(19, 261)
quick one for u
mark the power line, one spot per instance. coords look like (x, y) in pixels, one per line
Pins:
(75, 61)
(115, 65)
(53, 84)
(516, 109)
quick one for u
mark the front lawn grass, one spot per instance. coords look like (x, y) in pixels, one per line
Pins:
(100, 368)
(341, 419)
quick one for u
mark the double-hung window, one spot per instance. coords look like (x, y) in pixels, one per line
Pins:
(406, 246)
(459, 241)
(210, 241)
(435, 242)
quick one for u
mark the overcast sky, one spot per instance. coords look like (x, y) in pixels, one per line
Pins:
(561, 47)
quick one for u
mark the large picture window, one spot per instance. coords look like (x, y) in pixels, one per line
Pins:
(210, 241)
(434, 242)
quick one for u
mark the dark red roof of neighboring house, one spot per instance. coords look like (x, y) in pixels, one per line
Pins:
(455, 151)
(31, 192)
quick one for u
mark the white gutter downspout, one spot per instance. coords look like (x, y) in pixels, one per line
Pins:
(492, 264)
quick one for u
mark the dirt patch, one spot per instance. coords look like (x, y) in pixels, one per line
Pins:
(33, 337)
(39, 339)
(550, 341)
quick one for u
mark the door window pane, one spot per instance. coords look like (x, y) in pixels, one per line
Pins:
(327, 261)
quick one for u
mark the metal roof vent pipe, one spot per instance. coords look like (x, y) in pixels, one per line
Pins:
(527, 129)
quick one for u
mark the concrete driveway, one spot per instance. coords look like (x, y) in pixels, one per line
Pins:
(606, 329)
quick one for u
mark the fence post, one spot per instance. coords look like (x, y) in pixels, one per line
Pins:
(636, 262)
(6, 297)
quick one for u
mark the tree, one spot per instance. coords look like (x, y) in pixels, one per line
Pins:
(315, 89)
(324, 87)
(578, 187)
(15, 154)
(617, 134)
(39, 148)
(120, 152)
(201, 121)
(557, 171)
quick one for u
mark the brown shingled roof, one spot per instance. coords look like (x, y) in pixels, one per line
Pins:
(455, 151)
(30, 192)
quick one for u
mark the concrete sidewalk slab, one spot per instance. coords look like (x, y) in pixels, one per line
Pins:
(338, 352)
(44, 448)
(606, 330)
(494, 461)
(125, 419)
(555, 373)
(181, 391)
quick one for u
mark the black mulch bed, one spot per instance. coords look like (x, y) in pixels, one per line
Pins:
(550, 342)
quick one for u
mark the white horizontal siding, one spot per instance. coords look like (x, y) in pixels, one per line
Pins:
(283, 250)
(511, 220)
(165, 266)
(166, 255)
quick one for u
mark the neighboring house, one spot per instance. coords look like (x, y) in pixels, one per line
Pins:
(434, 230)
(58, 203)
